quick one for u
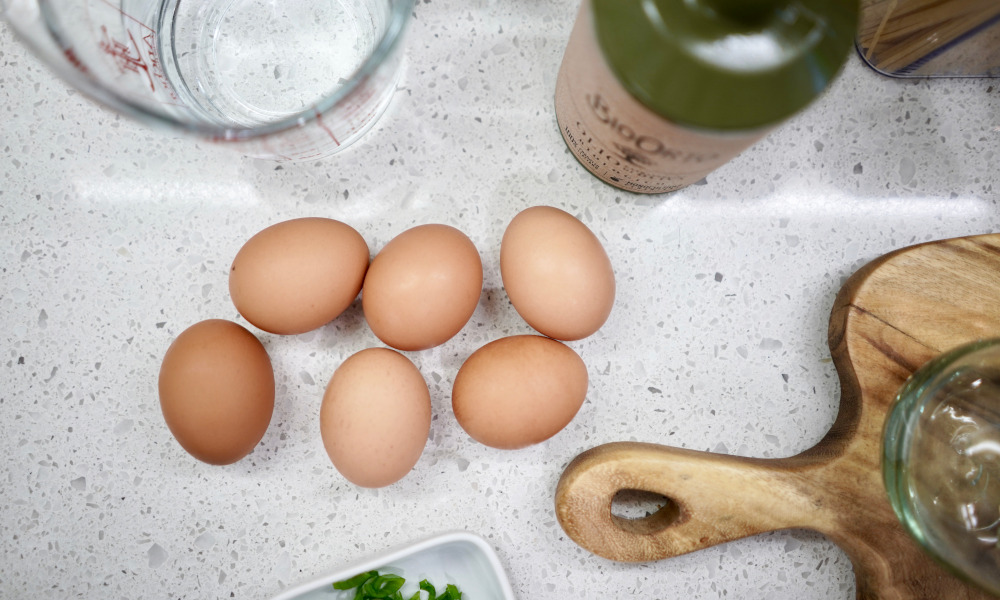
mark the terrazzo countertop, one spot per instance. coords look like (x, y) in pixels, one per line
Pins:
(115, 238)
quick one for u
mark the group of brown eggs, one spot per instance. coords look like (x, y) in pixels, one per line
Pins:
(216, 383)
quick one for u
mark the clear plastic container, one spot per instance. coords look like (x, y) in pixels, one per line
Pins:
(931, 38)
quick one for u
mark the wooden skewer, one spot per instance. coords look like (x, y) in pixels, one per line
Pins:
(881, 26)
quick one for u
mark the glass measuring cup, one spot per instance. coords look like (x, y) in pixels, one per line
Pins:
(941, 460)
(274, 79)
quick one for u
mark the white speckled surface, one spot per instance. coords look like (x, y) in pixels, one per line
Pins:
(113, 239)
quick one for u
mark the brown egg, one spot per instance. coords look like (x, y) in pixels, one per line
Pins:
(217, 391)
(518, 391)
(298, 275)
(556, 273)
(375, 417)
(423, 287)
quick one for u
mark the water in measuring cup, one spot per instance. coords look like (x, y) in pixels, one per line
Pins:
(254, 62)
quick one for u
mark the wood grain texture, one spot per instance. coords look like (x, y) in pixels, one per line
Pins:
(891, 317)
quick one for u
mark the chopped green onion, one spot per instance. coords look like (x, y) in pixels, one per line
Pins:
(373, 586)
(427, 587)
(353, 582)
(383, 586)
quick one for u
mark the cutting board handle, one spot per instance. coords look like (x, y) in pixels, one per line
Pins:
(892, 316)
(711, 499)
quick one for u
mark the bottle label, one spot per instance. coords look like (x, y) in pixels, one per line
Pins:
(617, 138)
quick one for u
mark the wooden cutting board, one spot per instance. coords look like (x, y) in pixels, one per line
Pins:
(892, 316)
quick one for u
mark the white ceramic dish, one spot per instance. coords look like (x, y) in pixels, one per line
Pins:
(458, 557)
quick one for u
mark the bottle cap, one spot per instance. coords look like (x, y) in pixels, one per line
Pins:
(726, 65)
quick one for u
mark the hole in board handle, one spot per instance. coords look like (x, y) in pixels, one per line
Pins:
(642, 512)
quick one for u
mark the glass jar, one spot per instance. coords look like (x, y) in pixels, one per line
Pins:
(941, 460)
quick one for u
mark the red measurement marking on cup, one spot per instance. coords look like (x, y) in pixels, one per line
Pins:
(319, 121)
(137, 56)
(74, 60)
(127, 56)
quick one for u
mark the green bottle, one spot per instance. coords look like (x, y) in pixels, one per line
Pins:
(653, 95)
